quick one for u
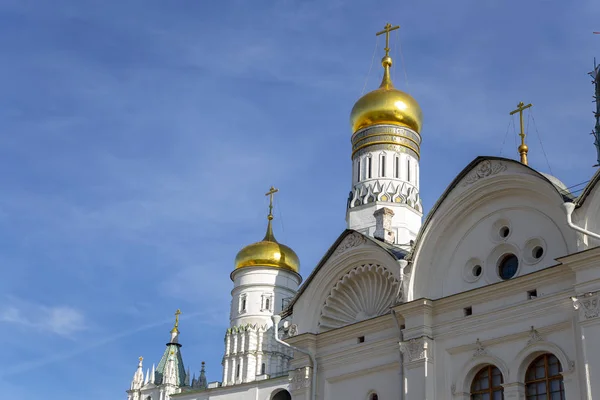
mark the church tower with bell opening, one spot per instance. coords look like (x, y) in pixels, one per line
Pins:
(386, 138)
(266, 275)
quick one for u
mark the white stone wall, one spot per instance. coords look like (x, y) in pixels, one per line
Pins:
(258, 294)
(259, 390)
(256, 285)
(464, 232)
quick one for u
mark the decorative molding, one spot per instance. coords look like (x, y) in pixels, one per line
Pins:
(587, 304)
(390, 190)
(354, 239)
(293, 330)
(364, 292)
(299, 378)
(479, 350)
(416, 349)
(484, 169)
(534, 336)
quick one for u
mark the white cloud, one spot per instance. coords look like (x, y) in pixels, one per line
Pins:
(60, 320)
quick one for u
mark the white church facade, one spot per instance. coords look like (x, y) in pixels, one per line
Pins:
(495, 294)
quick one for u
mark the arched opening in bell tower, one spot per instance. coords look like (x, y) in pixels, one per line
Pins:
(281, 395)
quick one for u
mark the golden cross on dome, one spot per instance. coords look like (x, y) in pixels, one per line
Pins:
(523, 147)
(177, 314)
(387, 29)
(270, 193)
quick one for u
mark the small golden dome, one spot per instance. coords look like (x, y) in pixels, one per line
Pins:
(268, 253)
(386, 105)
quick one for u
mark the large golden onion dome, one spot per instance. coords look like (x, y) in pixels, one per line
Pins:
(386, 105)
(268, 252)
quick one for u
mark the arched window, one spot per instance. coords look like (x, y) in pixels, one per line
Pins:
(408, 169)
(487, 384)
(263, 369)
(268, 303)
(358, 171)
(373, 396)
(237, 371)
(543, 379)
(382, 166)
(369, 167)
(396, 167)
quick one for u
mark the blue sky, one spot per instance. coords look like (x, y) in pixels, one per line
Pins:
(138, 139)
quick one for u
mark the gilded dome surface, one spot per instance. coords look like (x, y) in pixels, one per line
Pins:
(268, 253)
(386, 105)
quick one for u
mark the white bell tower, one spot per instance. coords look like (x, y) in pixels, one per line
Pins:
(386, 125)
(265, 277)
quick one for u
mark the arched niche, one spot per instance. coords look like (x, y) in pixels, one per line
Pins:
(307, 309)
(464, 205)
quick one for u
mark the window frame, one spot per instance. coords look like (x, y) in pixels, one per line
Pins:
(547, 379)
(243, 306)
(490, 389)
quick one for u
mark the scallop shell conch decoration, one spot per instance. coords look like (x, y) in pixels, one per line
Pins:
(364, 292)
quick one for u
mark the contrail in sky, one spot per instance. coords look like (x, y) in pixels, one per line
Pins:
(27, 366)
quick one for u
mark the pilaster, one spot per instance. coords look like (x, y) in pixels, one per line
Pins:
(588, 307)
(514, 391)
(300, 381)
(418, 368)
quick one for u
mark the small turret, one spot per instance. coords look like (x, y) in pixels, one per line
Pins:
(138, 377)
(170, 369)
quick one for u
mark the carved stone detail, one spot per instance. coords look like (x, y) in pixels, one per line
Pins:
(299, 378)
(364, 292)
(479, 350)
(352, 240)
(588, 305)
(385, 191)
(293, 330)
(534, 336)
(484, 169)
(416, 349)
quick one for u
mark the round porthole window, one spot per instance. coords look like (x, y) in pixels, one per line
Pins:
(473, 270)
(501, 230)
(534, 251)
(508, 266)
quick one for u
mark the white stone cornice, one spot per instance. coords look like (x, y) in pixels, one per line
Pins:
(581, 260)
(587, 304)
